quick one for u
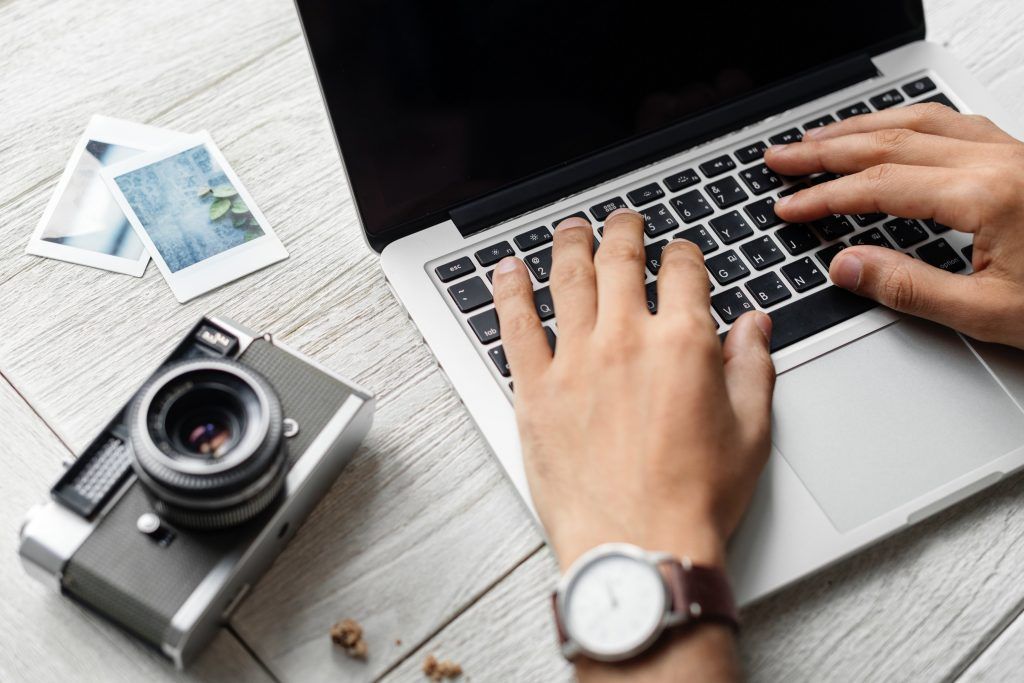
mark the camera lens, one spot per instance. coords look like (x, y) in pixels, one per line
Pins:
(207, 439)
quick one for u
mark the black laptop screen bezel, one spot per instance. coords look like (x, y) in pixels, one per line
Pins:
(600, 163)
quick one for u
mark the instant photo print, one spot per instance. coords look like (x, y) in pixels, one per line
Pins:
(193, 215)
(83, 223)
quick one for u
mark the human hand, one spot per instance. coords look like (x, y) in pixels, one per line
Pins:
(924, 161)
(641, 428)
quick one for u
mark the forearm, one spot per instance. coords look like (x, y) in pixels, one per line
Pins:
(706, 653)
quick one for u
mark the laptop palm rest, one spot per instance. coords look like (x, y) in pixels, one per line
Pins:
(877, 423)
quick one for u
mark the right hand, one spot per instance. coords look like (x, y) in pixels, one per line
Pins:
(924, 161)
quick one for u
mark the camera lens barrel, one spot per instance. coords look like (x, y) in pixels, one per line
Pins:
(207, 436)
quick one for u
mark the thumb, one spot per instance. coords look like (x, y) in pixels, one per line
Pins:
(909, 286)
(749, 372)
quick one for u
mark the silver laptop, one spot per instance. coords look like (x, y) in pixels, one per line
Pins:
(468, 130)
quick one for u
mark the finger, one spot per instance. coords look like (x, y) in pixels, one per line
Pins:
(682, 281)
(749, 372)
(929, 117)
(620, 265)
(950, 197)
(853, 153)
(524, 340)
(910, 286)
(573, 287)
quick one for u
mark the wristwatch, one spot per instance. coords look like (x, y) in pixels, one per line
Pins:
(617, 599)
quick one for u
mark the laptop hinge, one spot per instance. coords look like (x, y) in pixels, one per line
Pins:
(548, 187)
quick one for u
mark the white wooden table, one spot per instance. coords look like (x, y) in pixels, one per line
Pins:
(421, 539)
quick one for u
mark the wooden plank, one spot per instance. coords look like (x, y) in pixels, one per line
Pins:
(1001, 661)
(507, 636)
(44, 637)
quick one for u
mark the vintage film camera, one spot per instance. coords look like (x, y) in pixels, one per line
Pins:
(184, 499)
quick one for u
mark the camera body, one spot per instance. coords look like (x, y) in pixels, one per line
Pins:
(184, 499)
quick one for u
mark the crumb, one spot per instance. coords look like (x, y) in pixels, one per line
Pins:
(436, 670)
(349, 635)
(398, 641)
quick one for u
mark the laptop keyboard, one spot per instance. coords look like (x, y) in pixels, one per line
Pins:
(724, 205)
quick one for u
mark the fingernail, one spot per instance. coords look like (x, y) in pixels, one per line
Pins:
(764, 323)
(814, 132)
(846, 271)
(782, 201)
(572, 222)
(621, 212)
(776, 149)
(507, 264)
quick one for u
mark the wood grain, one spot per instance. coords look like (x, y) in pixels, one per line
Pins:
(421, 539)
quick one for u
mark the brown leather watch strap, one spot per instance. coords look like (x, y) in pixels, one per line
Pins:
(700, 593)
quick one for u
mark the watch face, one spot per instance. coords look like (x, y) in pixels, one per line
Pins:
(614, 605)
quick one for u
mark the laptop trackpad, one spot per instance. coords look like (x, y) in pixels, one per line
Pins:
(890, 417)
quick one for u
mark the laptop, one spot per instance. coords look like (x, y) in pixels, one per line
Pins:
(469, 129)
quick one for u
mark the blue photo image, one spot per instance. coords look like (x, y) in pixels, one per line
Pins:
(188, 207)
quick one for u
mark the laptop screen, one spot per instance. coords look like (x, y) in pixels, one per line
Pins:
(439, 103)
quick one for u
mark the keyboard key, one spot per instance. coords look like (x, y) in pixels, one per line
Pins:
(919, 87)
(751, 152)
(533, 238)
(699, 236)
(488, 256)
(853, 110)
(937, 228)
(497, 355)
(787, 137)
(550, 333)
(941, 255)
(601, 211)
(490, 276)
(833, 227)
(485, 326)
(540, 264)
(651, 291)
(727, 267)
(470, 295)
(866, 219)
(731, 227)
(768, 290)
(731, 304)
(812, 314)
(820, 122)
(824, 178)
(968, 252)
(803, 275)
(797, 238)
(762, 252)
(905, 232)
(941, 99)
(886, 100)
(726, 192)
(652, 254)
(717, 166)
(578, 214)
(457, 268)
(871, 238)
(682, 180)
(658, 220)
(762, 213)
(645, 195)
(828, 253)
(692, 206)
(793, 190)
(544, 304)
(760, 179)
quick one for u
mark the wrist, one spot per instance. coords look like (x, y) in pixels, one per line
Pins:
(696, 537)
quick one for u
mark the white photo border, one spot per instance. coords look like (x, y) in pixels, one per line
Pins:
(213, 271)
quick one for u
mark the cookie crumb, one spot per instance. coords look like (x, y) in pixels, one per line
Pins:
(349, 635)
(398, 641)
(436, 670)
